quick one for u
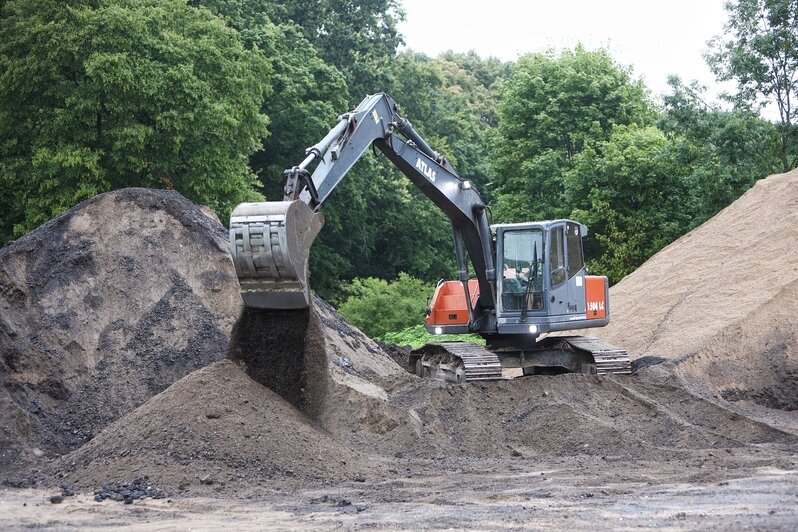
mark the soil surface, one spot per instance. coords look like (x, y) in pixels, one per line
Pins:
(103, 308)
(181, 409)
(716, 309)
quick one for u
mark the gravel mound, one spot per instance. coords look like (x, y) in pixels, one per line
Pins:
(100, 309)
(720, 305)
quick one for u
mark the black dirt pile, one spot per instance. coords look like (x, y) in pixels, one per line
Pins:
(215, 431)
(371, 403)
(283, 351)
(108, 313)
(102, 308)
(351, 353)
(720, 305)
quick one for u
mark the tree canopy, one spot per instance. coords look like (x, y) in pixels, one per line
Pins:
(215, 98)
(97, 95)
(630, 192)
(759, 50)
(552, 107)
(720, 152)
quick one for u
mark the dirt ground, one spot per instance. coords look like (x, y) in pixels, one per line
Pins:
(733, 492)
(179, 409)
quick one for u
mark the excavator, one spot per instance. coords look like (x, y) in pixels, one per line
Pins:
(530, 282)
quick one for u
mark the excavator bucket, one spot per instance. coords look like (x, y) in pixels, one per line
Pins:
(270, 244)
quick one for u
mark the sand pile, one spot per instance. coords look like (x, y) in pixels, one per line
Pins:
(216, 430)
(721, 303)
(102, 308)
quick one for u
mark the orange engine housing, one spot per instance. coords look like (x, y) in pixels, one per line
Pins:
(448, 305)
(595, 296)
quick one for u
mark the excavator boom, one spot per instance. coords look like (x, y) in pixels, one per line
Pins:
(270, 241)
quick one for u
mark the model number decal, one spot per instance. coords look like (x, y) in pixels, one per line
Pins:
(595, 306)
(428, 172)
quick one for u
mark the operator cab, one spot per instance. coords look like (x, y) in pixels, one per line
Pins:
(539, 258)
(542, 285)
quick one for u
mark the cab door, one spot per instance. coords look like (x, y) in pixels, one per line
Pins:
(575, 269)
(558, 297)
(566, 270)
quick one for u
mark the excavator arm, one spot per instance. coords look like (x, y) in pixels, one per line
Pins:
(270, 242)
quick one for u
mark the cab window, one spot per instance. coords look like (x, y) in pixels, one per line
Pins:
(557, 257)
(574, 243)
(522, 270)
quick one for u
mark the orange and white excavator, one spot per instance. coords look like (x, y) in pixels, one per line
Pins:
(530, 278)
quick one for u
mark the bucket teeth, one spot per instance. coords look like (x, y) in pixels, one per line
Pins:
(270, 245)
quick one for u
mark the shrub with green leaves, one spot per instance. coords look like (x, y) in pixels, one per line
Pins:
(377, 306)
(417, 336)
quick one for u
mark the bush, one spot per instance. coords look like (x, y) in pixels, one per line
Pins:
(417, 336)
(377, 306)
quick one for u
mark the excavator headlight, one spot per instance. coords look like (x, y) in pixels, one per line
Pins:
(438, 330)
(533, 328)
(465, 185)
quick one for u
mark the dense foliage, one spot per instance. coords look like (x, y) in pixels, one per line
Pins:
(552, 107)
(720, 153)
(216, 97)
(758, 51)
(629, 192)
(98, 95)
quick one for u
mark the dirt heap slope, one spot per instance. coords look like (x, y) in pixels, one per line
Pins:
(357, 393)
(721, 303)
(104, 307)
(215, 430)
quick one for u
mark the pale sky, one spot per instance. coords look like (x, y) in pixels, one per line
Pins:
(655, 38)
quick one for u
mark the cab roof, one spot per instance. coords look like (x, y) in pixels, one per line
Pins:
(544, 224)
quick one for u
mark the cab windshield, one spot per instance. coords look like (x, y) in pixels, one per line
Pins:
(522, 270)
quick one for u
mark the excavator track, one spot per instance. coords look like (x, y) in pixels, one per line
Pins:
(608, 358)
(456, 362)
(460, 362)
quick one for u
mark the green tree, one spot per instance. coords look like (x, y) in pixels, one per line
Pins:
(489, 71)
(377, 306)
(97, 95)
(631, 194)
(553, 106)
(368, 229)
(760, 51)
(721, 153)
(307, 94)
(357, 37)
